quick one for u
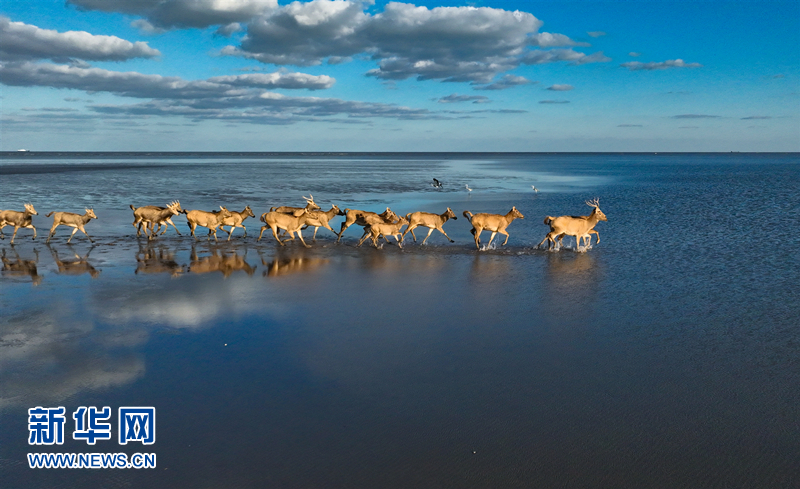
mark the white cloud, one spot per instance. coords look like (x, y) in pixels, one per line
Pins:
(554, 101)
(663, 65)
(24, 42)
(596, 33)
(455, 98)
(507, 81)
(165, 14)
(560, 88)
(455, 44)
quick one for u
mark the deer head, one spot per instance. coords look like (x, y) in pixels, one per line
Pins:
(90, 213)
(29, 208)
(597, 212)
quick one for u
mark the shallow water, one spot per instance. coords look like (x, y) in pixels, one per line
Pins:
(664, 356)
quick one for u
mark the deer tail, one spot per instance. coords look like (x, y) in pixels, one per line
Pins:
(263, 217)
(272, 209)
(468, 215)
(548, 219)
(49, 214)
(132, 207)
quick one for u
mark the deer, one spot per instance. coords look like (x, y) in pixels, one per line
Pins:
(285, 209)
(430, 221)
(365, 218)
(210, 220)
(291, 223)
(578, 226)
(21, 267)
(384, 229)
(495, 223)
(320, 218)
(79, 266)
(236, 220)
(75, 221)
(18, 219)
(150, 215)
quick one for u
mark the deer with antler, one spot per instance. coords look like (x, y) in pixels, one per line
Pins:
(579, 226)
(151, 215)
(18, 219)
(285, 209)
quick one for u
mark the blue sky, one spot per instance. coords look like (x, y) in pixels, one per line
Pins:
(331, 75)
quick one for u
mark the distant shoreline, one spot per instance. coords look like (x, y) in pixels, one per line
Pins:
(284, 154)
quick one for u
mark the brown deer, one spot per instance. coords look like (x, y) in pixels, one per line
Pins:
(20, 267)
(236, 220)
(495, 223)
(75, 221)
(384, 229)
(18, 219)
(578, 226)
(430, 221)
(278, 220)
(365, 218)
(210, 220)
(319, 219)
(285, 209)
(79, 266)
(150, 215)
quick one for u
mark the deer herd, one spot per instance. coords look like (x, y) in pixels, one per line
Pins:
(285, 221)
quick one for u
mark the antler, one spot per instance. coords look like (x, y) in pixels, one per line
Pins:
(594, 203)
(309, 199)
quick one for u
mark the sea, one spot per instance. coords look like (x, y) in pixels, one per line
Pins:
(665, 355)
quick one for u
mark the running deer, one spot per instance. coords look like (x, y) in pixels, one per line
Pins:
(75, 221)
(285, 209)
(365, 218)
(78, 266)
(291, 223)
(18, 219)
(491, 222)
(384, 229)
(319, 219)
(578, 226)
(210, 220)
(236, 220)
(430, 221)
(150, 215)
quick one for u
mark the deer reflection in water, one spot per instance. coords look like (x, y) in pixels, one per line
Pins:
(225, 263)
(152, 259)
(19, 267)
(78, 266)
(287, 265)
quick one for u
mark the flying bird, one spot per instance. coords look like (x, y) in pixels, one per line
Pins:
(437, 184)
(466, 185)
(534, 188)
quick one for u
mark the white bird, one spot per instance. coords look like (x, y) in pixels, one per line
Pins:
(534, 188)
(466, 185)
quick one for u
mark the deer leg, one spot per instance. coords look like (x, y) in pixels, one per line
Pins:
(74, 230)
(264, 228)
(275, 233)
(34, 231)
(245, 231)
(445, 234)
(300, 235)
(504, 232)
(477, 233)
(84, 232)
(345, 225)
(52, 232)
(169, 221)
(137, 228)
(430, 230)
(399, 240)
(494, 233)
(410, 229)
(2, 236)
